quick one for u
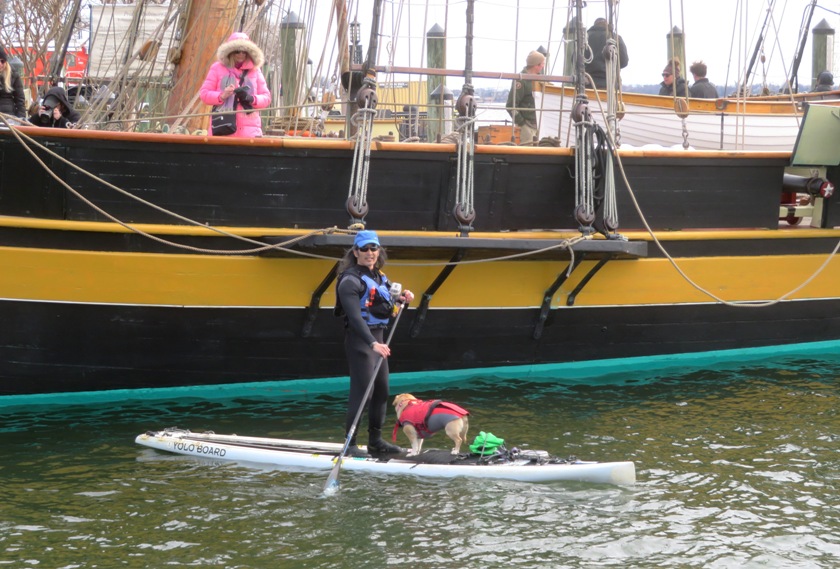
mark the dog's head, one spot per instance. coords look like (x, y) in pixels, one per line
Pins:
(401, 400)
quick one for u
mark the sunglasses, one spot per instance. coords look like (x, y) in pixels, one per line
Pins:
(666, 75)
(367, 248)
(239, 51)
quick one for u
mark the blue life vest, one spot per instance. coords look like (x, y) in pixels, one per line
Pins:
(376, 304)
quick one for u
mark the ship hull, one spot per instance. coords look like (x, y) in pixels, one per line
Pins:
(103, 347)
(101, 292)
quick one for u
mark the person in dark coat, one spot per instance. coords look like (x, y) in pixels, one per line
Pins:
(825, 82)
(671, 76)
(12, 101)
(597, 37)
(55, 111)
(702, 88)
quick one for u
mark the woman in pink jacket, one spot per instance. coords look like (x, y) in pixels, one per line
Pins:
(221, 87)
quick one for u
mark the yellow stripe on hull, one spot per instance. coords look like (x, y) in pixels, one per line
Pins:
(202, 280)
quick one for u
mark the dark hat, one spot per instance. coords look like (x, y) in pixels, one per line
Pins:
(51, 101)
(825, 78)
(3, 53)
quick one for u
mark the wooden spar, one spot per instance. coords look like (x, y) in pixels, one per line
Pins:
(758, 45)
(364, 94)
(468, 55)
(208, 25)
(66, 33)
(793, 80)
(580, 45)
(460, 73)
(340, 8)
(368, 69)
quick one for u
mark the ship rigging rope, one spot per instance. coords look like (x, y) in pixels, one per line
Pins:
(741, 304)
(689, 280)
(681, 107)
(610, 205)
(465, 192)
(357, 192)
(261, 245)
(585, 194)
(23, 138)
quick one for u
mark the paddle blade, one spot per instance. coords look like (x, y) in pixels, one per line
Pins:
(332, 485)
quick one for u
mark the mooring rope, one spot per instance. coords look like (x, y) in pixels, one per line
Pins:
(23, 138)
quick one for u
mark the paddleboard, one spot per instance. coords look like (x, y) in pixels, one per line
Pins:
(514, 464)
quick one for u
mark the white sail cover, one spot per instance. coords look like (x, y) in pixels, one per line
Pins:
(118, 32)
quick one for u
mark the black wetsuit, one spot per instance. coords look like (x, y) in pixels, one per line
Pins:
(357, 344)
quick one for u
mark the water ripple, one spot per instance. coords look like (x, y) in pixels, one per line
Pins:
(736, 468)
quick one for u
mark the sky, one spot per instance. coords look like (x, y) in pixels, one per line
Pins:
(723, 33)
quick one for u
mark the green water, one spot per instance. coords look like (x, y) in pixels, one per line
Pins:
(736, 467)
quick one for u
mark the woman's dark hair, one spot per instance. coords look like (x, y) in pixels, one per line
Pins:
(349, 260)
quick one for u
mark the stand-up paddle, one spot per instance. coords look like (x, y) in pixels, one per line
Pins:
(332, 485)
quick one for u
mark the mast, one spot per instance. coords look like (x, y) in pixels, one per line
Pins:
(57, 61)
(207, 25)
(759, 44)
(369, 69)
(582, 120)
(365, 97)
(464, 211)
(340, 10)
(365, 107)
(466, 101)
(793, 80)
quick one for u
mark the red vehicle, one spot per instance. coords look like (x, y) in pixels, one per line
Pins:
(75, 64)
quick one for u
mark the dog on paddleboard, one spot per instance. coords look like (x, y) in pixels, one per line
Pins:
(421, 419)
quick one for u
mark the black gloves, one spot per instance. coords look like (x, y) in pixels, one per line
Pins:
(244, 96)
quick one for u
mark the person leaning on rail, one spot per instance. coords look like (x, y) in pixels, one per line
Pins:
(670, 77)
(521, 104)
(701, 88)
(55, 111)
(825, 82)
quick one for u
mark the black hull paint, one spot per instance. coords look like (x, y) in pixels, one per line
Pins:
(79, 347)
(410, 188)
(283, 185)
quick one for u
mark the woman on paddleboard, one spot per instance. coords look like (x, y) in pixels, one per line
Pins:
(364, 299)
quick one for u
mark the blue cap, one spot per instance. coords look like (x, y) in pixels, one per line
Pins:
(365, 238)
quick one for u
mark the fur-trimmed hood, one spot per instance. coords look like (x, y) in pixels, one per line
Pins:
(240, 42)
